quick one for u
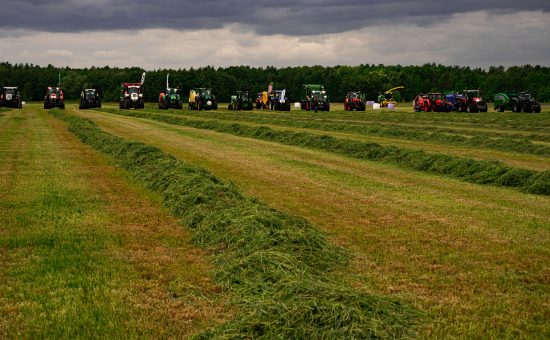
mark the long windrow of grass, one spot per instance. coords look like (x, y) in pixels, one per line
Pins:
(274, 118)
(278, 266)
(427, 135)
(466, 169)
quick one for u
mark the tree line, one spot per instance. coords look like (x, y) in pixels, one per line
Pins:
(338, 80)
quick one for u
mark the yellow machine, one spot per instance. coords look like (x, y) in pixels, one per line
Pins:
(387, 97)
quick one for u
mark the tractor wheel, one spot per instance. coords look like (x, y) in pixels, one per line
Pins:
(46, 106)
(62, 106)
(501, 108)
(537, 109)
(515, 107)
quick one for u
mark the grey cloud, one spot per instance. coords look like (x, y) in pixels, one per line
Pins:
(299, 17)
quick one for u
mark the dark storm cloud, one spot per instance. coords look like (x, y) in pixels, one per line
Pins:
(299, 17)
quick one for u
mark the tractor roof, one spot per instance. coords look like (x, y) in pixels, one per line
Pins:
(132, 84)
(10, 87)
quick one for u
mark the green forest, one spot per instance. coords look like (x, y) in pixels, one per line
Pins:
(338, 80)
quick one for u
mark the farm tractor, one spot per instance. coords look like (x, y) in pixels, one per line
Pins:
(422, 103)
(240, 101)
(315, 98)
(170, 98)
(202, 99)
(454, 99)
(516, 101)
(472, 101)
(355, 101)
(131, 95)
(54, 98)
(10, 97)
(90, 98)
(387, 98)
(279, 101)
(439, 103)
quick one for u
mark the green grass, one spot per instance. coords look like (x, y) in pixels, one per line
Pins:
(520, 144)
(85, 255)
(276, 264)
(470, 170)
(445, 246)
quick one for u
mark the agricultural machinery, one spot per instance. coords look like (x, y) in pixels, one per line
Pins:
(387, 98)
(170, 98)
(472, 101)
(202, 99)
(439, 103)
(263, 100)
(240, 101)
(10, 97)
(54, 98)
(355, 101)
(422, 103)
(90, 98)
(279, 101)
(516, 101)
(131, 95)
(315, 98)
(454, 99)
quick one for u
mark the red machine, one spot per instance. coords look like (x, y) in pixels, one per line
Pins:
(439, 103)
(422, 103)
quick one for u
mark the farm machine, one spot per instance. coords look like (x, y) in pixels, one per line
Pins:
(54, 98)
(439, 103)
(315, 98)
(240, 101)
(387, 98)
(355, 101)
(90, 98)
(131, 95)
(422, 102)
(10, 97)
(170, 98)
(516, 101)
(472, 101)
(279, 101)
(202, 99)
(262, 100)
(454, 99)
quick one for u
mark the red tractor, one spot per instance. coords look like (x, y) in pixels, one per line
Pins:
(472, 101)
(54, 98)
(422, 103)
(439, 103)
(355, 101)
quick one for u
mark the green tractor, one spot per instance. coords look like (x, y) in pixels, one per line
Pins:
(516, 101)
(315, 98)
(241, 101)
(170, 99)
(202, 99)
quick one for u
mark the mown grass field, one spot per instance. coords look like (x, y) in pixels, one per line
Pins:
(92, 244)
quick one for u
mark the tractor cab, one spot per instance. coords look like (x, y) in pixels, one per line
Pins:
(10, 97)
(355, 100)
(89, 98)
(54, 98)
(241, 101)
(202, 98)
(132, 96)
(279, 101)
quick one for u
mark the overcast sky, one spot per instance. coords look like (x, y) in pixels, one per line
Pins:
(181, 34)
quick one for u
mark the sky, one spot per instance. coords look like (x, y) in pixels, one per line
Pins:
(182, 34)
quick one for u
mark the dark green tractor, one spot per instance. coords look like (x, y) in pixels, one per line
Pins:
(516, 101)
(241, 101)
(170, 99)
(202, 99)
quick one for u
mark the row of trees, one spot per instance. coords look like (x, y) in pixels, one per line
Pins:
(338, 80)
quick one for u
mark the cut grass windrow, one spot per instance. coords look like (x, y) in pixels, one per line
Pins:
(276, 265)
(428, 135)
(466, 169)
(318, 118)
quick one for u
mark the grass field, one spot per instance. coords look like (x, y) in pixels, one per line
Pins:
(92, 246)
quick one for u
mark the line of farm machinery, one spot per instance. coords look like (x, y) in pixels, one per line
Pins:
(314, 97)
